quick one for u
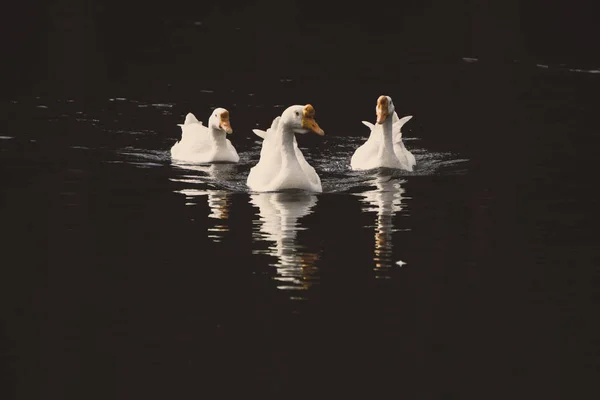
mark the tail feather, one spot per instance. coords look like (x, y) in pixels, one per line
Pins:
(190, 119)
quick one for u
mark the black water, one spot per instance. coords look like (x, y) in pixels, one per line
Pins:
(125, 275)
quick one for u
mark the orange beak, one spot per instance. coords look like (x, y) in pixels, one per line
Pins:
(382, 109)
(224, 124)
(308, 120)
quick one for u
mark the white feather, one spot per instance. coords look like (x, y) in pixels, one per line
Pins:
(376, 152)
(278, 168)
(199, 144)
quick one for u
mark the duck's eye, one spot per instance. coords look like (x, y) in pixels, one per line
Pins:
(297, 114)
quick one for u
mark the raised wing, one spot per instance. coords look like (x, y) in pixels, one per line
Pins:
(368, 124)
(263, 134)
(260, 133)
(397, 126)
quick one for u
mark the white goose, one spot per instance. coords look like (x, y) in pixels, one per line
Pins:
(201, 144)
(384, 148)
(282, 164)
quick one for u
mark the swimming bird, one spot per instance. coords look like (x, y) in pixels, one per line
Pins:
(205, 144)
(384, 148)
(282, 165)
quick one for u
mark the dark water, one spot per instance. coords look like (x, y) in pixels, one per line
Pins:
(125, 275)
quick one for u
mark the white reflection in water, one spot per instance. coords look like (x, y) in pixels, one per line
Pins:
(279, 214)
(385, 200)
(219, 201)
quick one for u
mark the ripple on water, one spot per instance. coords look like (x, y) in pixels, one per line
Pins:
(280, 218)
(332, 164)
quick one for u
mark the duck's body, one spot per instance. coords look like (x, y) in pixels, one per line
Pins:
(282, 165)
(384, 148)
(201, 144)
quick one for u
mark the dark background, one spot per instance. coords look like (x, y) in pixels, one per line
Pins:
(79, 47)
(500, 303)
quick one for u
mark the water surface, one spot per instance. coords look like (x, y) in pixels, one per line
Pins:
(139, 277)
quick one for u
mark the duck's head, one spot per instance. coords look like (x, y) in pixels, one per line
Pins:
(219, 119)
(385, 108)
(301, 119)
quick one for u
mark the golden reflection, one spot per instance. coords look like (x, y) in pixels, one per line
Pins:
(278, 223)
(385, 200)
(219, 201)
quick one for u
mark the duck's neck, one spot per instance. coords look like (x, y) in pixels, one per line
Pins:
(287, 146)
(387, 144)
(217, 135)
(387, 131)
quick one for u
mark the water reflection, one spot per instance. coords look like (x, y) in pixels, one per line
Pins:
(211, 172)
(385, 200)
(279, 215)
(219, 201)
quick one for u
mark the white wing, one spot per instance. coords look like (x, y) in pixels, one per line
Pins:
(368, 125)
(263, 134)
(397, 126)
(193, 137)
(260, 133)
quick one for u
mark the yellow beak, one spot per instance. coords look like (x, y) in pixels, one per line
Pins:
(224, 124)
(308, 120)
(382, 109)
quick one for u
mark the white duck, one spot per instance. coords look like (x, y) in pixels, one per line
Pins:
(384, 148)
(282, 164)
(201, 144)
